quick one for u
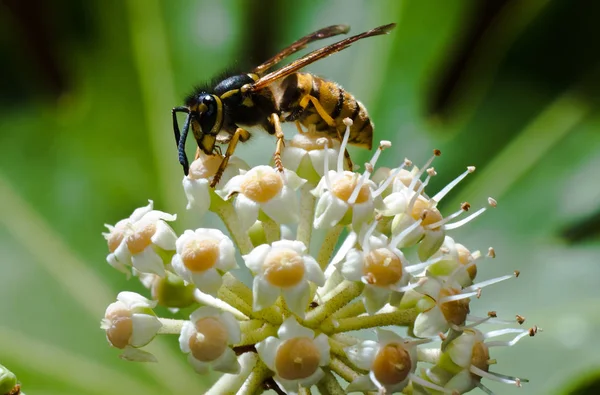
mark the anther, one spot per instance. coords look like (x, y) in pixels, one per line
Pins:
(492, 314)
(465, 206)
(383, 144)
(478, 293)
(407, 162)
(437, 152)
(431, 172)
(491, 252)
(517, 273)
(347, 121)
(369, 167)
(470, 169)
(520, 319)
(492, 202)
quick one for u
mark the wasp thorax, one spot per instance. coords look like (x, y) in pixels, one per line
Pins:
(210, 340)
(141, 237)
(284, 268)
(382, 267)
(454, 311)
(120, 326)
(297, 358)
(200, 255)
(422, 210)
(261, 186)
(343, 187)
(392, 364)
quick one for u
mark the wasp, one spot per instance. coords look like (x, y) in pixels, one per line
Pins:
(224, 112)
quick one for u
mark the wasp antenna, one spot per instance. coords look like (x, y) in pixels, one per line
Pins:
(181, 145)
(385, 29)
(174, 112)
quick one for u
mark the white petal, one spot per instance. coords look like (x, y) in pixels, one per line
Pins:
(431, 243)
(313, 271)
(148, 261)
(291, 157)
(246, 210)
(135, 301)
(164, 237)
(291, 329)
(375, 298)
(352, 267)
(114, 262)
(180, 268)
(208, 281)
(183, 239)
(232, 186)
(385, 337)
(197, 194)
(395, 203)
(322, 344)
(292, 180)
(187, 331)
(362, 213)
(267, 350)
(344, 248)
(137, 355)
(264, 294)
(138, 213)
(226, 255)
(430, 323)
(233, 327)
(156, 215)
(363, 354)
(292, 386)
(145, 327)
(199, 366)
(122, 253)
(361, 384)
(297, 298)
(329, 212)
(203, 312)
(227, 362)
(317, 157)
(295, 245)
(255, 259)
(283, 208)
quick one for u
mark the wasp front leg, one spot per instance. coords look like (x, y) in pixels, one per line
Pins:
(239, 135)
(276, 124)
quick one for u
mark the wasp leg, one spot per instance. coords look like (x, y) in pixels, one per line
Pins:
(299, 127)
(280, 141)
(239, 135)
(326, 117)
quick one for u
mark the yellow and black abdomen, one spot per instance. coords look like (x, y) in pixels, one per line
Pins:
(312, 100)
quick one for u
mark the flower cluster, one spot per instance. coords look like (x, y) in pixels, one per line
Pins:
(398, 277)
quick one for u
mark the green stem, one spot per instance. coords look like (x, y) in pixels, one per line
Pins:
(226, 212)
(329, 385)
(234, 300)
(170, 326)
(271, 229)
(397, 318)
(343, 370)
(351, 310)
(307, 214)
(257, 335)
(328, 245)
(340, 296)
(254, 383)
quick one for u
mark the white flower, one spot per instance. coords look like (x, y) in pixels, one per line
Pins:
(196, 184)
(296, 356)
(207, 338)
(455, 257)
(139, 239)
(305, 154)
(202, 256)
(379, 265)
(130, 323)
(264, 188)
(283, 268)
(391, 362)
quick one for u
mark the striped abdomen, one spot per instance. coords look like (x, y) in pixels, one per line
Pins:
(334, 101)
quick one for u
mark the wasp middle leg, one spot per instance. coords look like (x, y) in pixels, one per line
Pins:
(239, 135)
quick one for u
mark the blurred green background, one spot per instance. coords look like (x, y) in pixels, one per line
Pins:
(85, 136)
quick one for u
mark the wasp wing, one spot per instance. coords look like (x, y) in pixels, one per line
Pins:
(316, 55)
(320, 34)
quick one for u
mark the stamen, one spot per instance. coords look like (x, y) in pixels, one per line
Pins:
(388, 180)
(484, 389)
(411, 286)
(398, 238)
(340, 163)
(463, 208)
(326, 173)
(462, 222)
(440, 195)
(521, 334)
(417, 176)
(497, 376)
(452, 298)
(419, 266)
(427, 384)
(488, 282)
(344, 248)
(365, 241)
(359, 184)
